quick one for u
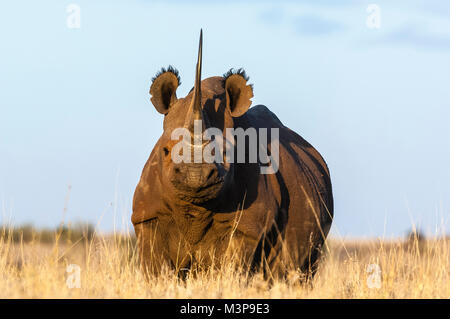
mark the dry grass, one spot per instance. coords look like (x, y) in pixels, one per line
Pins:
(110, 269)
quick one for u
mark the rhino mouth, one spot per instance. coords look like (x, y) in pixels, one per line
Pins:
(211, 185)
(202, 190)
(201, 193)
(198, 181)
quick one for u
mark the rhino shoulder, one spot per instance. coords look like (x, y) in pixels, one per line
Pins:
(261, 116)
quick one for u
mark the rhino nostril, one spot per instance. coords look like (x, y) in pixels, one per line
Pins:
(211, 173)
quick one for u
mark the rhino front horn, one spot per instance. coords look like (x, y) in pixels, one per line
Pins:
(195, 108)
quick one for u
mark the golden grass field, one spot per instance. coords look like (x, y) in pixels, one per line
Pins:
(109, 268)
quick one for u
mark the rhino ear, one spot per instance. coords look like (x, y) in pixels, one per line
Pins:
(163, 89)
(238, 92)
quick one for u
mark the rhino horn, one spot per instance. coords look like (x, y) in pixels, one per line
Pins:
(195, 108)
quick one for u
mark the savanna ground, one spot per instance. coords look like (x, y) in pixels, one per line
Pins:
(36, 264)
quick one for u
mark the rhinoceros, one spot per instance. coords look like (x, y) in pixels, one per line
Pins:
(188, 214)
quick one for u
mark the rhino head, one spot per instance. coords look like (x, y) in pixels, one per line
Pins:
(213, 103)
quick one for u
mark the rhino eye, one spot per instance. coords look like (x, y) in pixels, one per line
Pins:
(166, 151)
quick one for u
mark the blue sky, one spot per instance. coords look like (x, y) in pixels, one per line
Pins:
(75, 109)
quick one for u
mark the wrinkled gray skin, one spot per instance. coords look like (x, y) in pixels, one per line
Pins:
(188, 215)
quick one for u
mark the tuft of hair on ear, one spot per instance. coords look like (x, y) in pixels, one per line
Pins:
(170, 69)
(231, 72)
